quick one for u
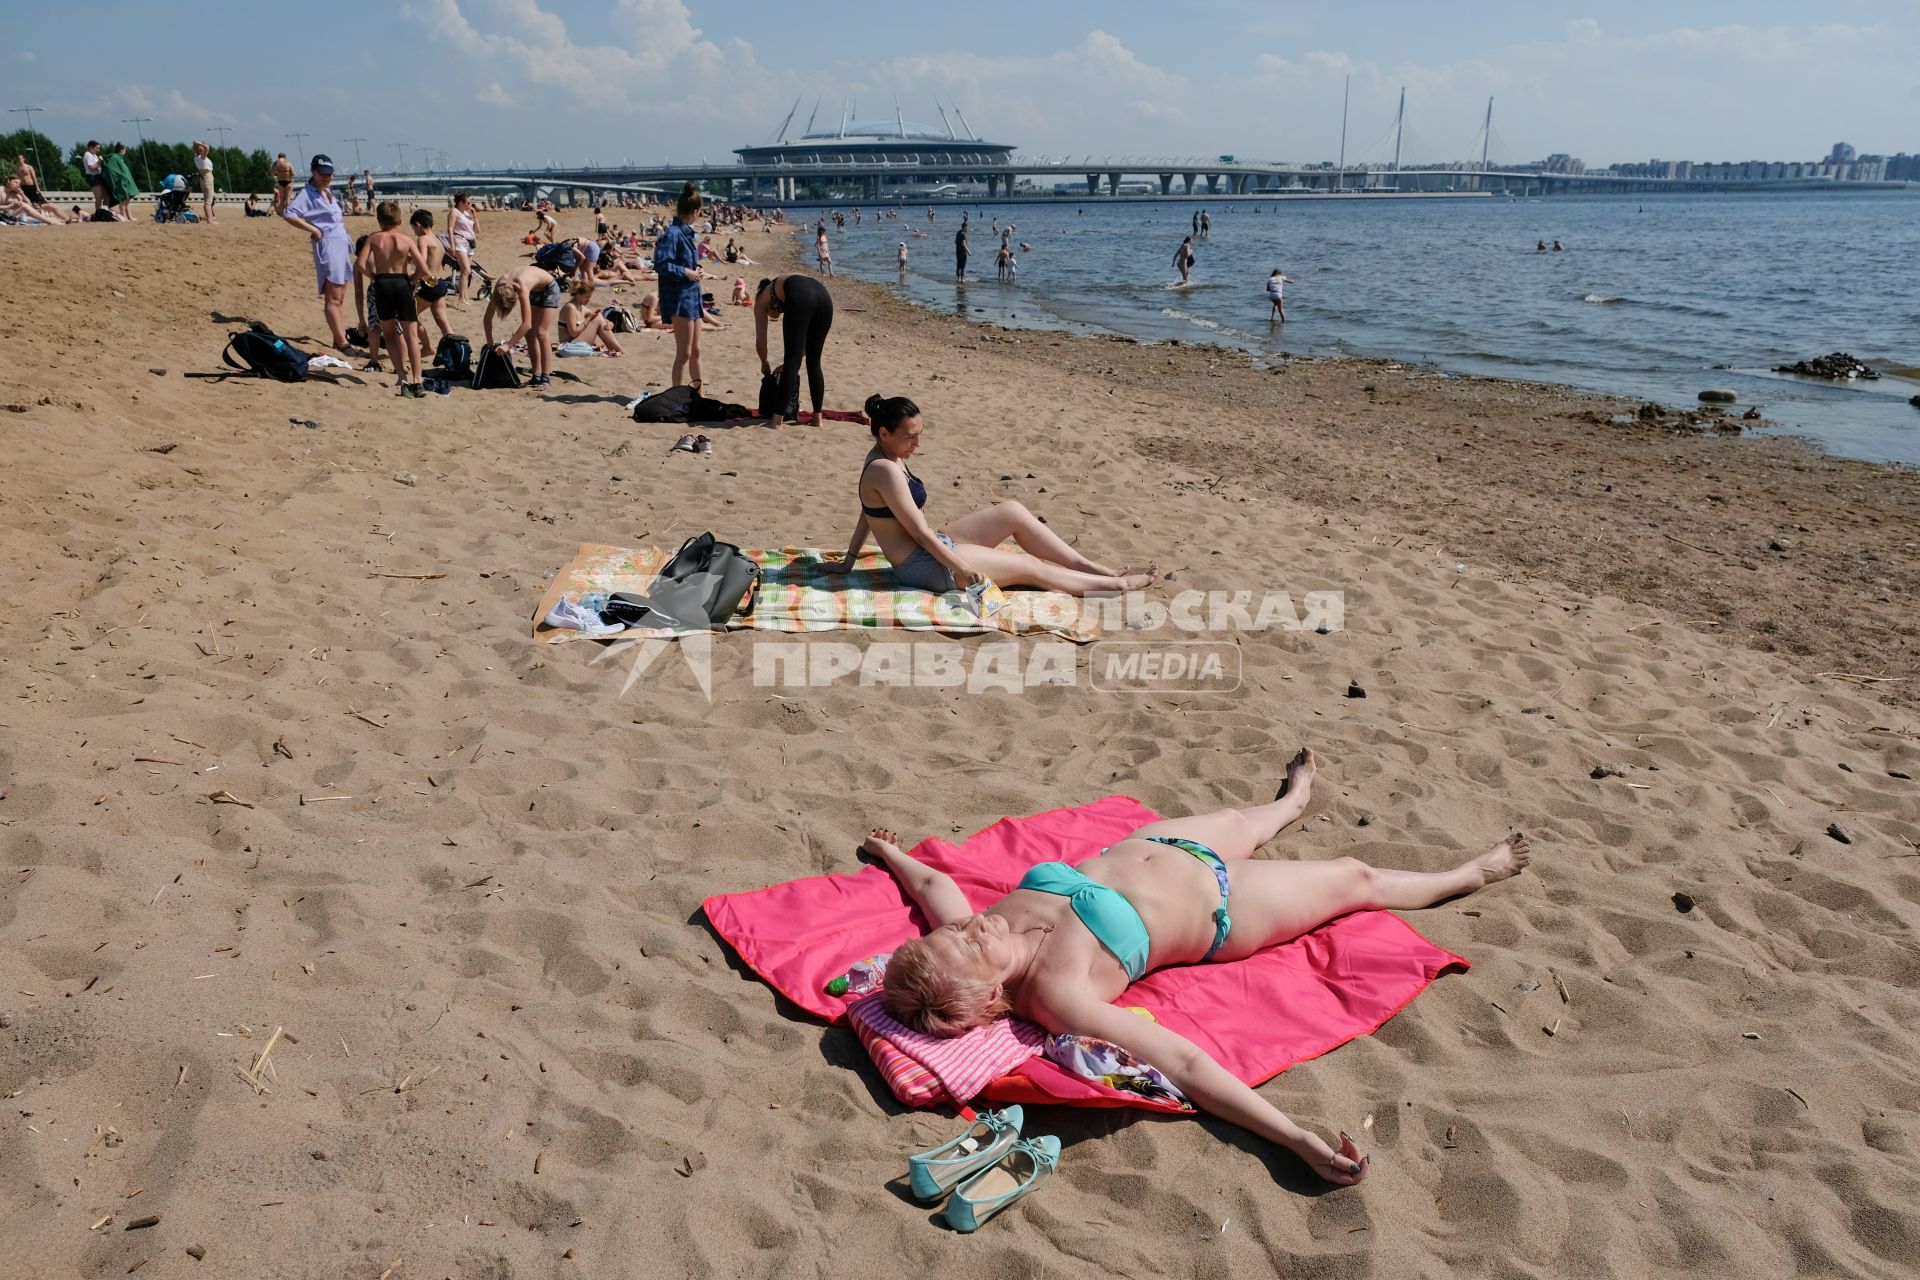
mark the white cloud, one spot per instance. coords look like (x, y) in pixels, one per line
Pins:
(661, 59)
(25, 55)
(1093, 86)
(171, 109)
(496, 96)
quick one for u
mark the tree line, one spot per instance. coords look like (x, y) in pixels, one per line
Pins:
(60, 170)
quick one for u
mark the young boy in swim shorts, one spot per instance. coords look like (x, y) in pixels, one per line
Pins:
(393, 259)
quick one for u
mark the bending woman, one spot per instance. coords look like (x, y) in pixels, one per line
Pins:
(805, 310)
(961, 553)
(1063, 946)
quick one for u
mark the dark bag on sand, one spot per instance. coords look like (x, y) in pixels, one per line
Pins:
(102, 215)
(557, 258)
(770, 398)
(455, 355)
(494, 370)
(701, 409)
(705, 583)
(670, 405)
(259, 350)
(621, 319)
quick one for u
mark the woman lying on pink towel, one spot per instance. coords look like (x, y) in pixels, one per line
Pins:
(1064, 945)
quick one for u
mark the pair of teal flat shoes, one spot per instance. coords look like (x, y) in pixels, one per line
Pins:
(985, 1169)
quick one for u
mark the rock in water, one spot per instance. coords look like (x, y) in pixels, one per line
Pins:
(1839, 366)
(1718, 395)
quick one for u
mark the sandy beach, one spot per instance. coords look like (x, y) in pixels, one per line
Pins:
(282, 774)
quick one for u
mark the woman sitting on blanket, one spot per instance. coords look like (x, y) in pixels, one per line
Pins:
(965, 550)
(1063, 946)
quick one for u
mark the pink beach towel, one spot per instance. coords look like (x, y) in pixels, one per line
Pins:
(1342, 980)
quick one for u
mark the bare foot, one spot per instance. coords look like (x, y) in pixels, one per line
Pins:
(1505, 860)
(1132, 581)
(1299, 781)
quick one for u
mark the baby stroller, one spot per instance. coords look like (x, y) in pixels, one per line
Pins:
(482, 282)
(170, 202)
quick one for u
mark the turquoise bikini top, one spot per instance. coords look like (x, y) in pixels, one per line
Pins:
(1109, 917)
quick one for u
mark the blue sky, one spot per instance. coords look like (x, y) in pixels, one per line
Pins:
(565, 81)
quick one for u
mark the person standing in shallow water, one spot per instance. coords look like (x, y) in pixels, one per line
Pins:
(959, 248)
(1183, 259)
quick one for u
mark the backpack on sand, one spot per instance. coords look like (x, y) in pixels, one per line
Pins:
(493, 370)
(257, 349)
(558, 258)
(455, 355)
(770, 398)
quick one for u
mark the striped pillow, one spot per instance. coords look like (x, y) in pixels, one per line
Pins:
(926, 1070)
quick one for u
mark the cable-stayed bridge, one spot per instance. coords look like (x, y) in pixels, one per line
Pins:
(1101, 176)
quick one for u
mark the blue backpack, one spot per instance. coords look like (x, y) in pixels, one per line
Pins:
(558, 258)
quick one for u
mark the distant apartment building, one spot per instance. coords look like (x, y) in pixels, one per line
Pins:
(1841, 164)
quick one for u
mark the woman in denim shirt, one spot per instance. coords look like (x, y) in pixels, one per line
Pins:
(676, 260)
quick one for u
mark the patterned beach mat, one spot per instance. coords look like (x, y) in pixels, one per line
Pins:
(798, 594)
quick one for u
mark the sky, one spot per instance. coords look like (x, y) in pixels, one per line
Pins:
(535, 82)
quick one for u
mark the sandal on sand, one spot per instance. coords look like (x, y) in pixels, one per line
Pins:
(931, 1174)
(702, 445)
(1025, 1167)
(683, 445)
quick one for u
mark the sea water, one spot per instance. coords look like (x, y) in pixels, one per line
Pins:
(1656, 297)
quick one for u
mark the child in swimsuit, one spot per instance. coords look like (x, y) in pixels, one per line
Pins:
(394, 258)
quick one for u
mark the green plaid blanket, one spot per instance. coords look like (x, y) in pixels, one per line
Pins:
(798, 594)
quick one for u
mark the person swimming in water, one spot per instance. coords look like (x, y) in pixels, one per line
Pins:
(961, 552)
(1063, 947)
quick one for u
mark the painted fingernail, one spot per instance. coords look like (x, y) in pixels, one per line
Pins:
(1353, 1168)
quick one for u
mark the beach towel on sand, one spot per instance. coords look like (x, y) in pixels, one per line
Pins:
(798, 594)
(1257, 1016)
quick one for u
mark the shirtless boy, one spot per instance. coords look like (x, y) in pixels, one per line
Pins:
(393, 258)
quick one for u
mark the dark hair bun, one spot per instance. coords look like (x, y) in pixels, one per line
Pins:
(889, 412)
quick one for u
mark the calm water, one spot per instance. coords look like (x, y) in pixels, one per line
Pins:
(1656, 299)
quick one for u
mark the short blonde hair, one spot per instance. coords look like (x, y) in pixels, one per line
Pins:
(925, 994)
(506, 296)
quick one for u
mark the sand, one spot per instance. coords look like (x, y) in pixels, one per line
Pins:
(279, 756)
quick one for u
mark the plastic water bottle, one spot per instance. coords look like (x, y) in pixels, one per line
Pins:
(860, 979)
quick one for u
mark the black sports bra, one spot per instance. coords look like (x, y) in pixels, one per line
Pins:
(914, 488)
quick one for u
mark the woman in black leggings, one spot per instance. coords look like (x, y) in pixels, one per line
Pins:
(805, 309)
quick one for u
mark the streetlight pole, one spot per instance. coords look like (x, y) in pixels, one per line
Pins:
(38, 163)
(356, 152)
(400, 156)
(299, 146)
(223, 130)
(146, 170)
